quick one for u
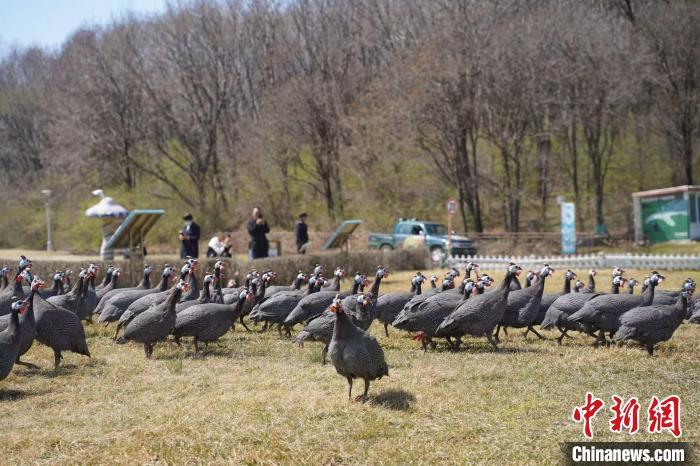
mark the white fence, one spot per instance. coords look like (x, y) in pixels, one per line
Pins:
(586, 261)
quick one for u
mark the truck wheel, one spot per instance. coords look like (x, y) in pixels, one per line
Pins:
(437, 253)
(386, 247)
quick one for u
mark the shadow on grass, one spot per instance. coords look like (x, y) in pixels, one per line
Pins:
(7, 394)
(398, 400)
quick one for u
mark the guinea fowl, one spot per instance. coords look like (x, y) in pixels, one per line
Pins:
(389, 305)
(604, 311)
(57, 288)
(259, 293)
(15, 291)
(106, 280)
(10, 339)
(653, 324)
(427, 317)
(515, 284)
(617, 282)
(27, 322)
(529, 277)
(117, 304)
(209, 322)
(204, 295)
(156, 323)
(631, 283)
(217, 279)
(590, 288)
(548, 299)
(314, 304)
(320, 328)
(523, 305)
(141, 305)
(557, 315)
(479, 315)
(334, 285)
(90, 299)
(299, 280)
(416, 301)
(145, 284)
(102, 290)
(355, 353)
(4, 272)
(275, 309)
(75, 300)
(59, 329)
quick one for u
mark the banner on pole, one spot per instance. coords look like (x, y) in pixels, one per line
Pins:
(568, 228)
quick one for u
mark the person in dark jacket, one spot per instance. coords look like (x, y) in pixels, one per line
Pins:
(301, 233)
(189, 236)
(258, 229)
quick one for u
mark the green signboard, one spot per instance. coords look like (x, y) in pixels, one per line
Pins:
(665, 219)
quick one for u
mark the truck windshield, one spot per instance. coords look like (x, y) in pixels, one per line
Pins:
(435, 229)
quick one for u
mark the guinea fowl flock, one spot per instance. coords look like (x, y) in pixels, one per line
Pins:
(30, 311)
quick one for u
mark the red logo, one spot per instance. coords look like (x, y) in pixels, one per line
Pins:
(587, 412)
(625, 417)
(661, 415)
(665, 415)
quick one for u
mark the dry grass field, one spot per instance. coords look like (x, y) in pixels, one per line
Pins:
(258, 399)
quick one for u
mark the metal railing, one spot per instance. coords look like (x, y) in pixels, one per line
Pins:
(584, 261)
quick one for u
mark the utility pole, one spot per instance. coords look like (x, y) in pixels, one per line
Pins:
(47, 203)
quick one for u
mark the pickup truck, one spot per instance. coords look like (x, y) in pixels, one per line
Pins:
(434, 236)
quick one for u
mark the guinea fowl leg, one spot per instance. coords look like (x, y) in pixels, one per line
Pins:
(531, 329)
(56, 359)
(279, 329)
(650, 349)
(364, 396)
(243, 323)
(527, 330)
(386, 329)
(264, 329)
(491, 340)
(26, 364)
(495, 336)
(148, 349)
(456, 344)
(324, 353)
(196, 346)
(505, 331)
(349, 388)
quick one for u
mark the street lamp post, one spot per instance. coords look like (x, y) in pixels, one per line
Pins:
(47, 203)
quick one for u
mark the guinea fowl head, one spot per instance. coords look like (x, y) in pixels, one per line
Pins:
(617, 271)
(37, 284)
(382, 272)
(302, 277)
(570, 275)
(471, 266)
(147, 269)
(182, 285)
(20, 306)
(453, 272)
(468, 286)
(246, 295)
(208, 279)
(632, 282)
(579, 284)
(337, 305)
(419, 279)
(530, 275)
(340, 273)
(514, 269)
(220, 266)
(364, 300)
(58, 276)
(24, 263)
(546, 271)
(109, 270)
(656, 278)
(448, 283)
(269, 276)
(319, 269)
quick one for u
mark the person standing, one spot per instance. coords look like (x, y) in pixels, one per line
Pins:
(189, 236)
(301, 233)
(258, 229)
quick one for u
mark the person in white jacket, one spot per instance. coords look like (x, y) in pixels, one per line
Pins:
(219, 246)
